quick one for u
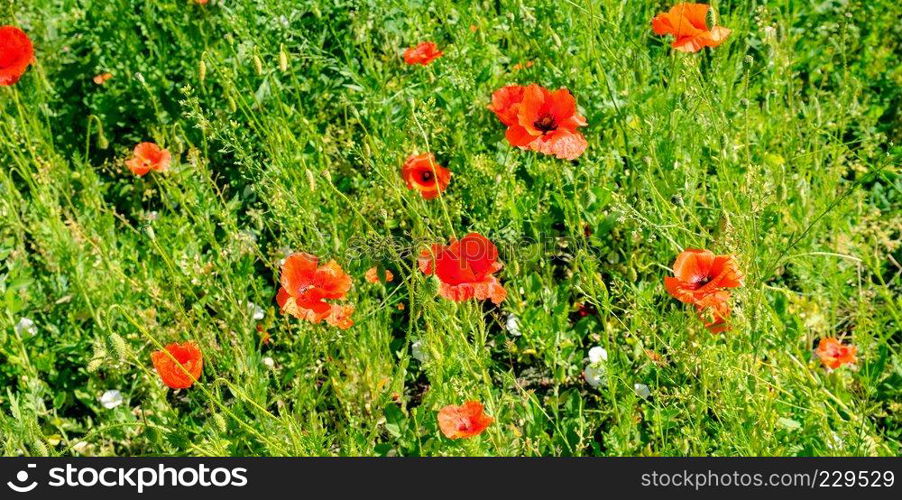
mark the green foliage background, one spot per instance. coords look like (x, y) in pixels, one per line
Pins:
(780, 147)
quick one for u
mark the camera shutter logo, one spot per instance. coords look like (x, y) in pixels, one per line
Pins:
(19, 485)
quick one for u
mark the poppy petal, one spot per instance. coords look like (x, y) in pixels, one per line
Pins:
(564, 144)
(178, 365)
(16, 54)
(297, 272)
(505, 103)
(695, 13)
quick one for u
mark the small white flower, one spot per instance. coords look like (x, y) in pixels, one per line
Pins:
(269, 362)
(81, 447)
(642, 390)
(835, 442)
(26, 325)
(513, 325)
(594, 375)
(418, 351)
(597, 354)
(257, 312)
(111, 399)
(595, 371)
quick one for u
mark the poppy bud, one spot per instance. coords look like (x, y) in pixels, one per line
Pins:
(102, 141)
(94, 364)
(283, 59)
(119, 346)
(258, 65)
(311, 180)
(220, 422)
(202, 70)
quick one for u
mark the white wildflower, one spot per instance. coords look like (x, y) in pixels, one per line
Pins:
(835, 443)
(26, 325)
(269, 362)
(642, 390)
(418, 351)
(257, 312)
(594, 374)
(111, 399)
(81, 447)
(595, 371)
(513, 325)
(597, 354)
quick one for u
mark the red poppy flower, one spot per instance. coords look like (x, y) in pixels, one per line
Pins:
(688, 24)
(701, 279)
(541, 120)
(102, 78)
(372, 275)
(148, 156)
(423, 174)
(16, 53)
(700, 273)
(464, 421)
(423, 53)
(834, 353)
(306, 286)
(465, 269)
(179, 365)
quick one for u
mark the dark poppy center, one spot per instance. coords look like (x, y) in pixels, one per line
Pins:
(426, 176)
(545, 124)
(702, 280)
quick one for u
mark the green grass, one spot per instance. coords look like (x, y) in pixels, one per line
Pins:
(780, 147)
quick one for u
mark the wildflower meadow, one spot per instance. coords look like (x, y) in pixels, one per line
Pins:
(433, 228)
